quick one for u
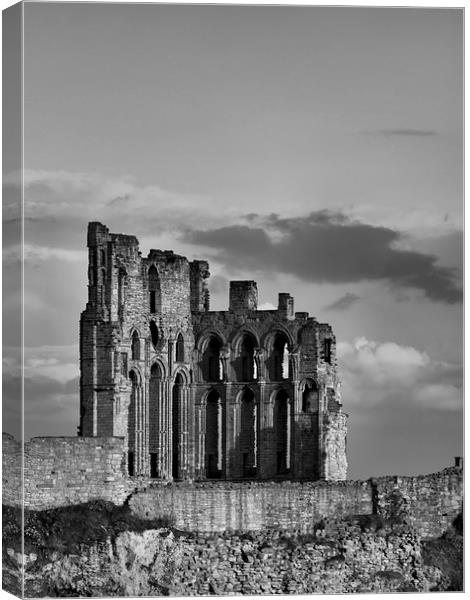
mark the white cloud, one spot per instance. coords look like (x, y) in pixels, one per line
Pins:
(60, 363)
(267, 306)
(374, 373)
(53, 194)
(34, 254)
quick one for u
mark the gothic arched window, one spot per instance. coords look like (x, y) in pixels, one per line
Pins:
(310, 397)
(135, 347)
(211, 362)
(154, 334)
(279, 359)
(179, 348)
(247, 364)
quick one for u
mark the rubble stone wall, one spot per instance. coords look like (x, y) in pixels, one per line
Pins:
(249, 506)
(275, 563)
(11, 470)
(431, 501)
(61, 471)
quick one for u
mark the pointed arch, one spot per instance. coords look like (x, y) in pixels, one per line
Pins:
(248, 432)
(176, 413)
(213, 438)
(154, 335)
(245, 364)
(155, 402)
(310, 395)
(132, 422)
(279, 358)
(180, 348)
(211, 359)
(135, 346)
(183, 374)
(282, 432)
(206, 337)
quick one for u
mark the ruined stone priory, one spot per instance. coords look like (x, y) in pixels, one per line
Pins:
(199, 394)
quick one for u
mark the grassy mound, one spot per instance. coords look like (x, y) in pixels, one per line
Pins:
(65, 529)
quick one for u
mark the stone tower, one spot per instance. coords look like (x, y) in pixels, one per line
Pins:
(242, 393)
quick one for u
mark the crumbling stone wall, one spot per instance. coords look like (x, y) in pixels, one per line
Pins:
(277, 562)
(429, 503)
(65, 471)
(158, 562)
(432, 503)
(11, 471)
(293, 506)
(59, 471)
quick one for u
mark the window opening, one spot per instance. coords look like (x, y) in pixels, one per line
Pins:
(154, 290)
(135, 346)
(327, 350)
(154, 334)
(180, 348)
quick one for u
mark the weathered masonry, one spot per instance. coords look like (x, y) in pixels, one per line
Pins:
(201, 394)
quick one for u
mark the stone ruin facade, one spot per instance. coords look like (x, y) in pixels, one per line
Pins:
(200, 394)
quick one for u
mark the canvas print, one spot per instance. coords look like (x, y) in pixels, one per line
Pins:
(232, 300)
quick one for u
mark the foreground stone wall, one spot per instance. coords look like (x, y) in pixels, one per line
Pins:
(59, 471)
(249, 506)
(277, 563)
(157, 562)
(63, 471)
(11, 471)
(431, 502)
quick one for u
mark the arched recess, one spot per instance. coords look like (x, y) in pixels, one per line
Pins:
(155, 292)
(154, 335)
(282, 431)
(180, 348)
(211, 363)
(176, 420)
(135, 346)
(279, 358)
(245, 364)
(132, 423)
(310, 396)
(122, 290)
(155, 416)
(248, 433)
(213, 449)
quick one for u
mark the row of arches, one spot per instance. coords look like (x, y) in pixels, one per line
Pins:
(157, 422)
(245, 363)
(278, 347)
(212, 364)
(155, 338)
(247, 443)
(215, 446)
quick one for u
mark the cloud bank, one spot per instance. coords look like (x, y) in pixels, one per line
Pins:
(385, 373)
(344, 302)
(329, 247)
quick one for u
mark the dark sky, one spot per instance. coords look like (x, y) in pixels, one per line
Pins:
(316, 150)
